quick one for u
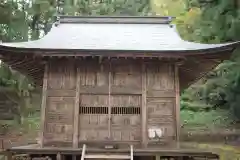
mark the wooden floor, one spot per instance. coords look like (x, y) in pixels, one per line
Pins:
(181, 151)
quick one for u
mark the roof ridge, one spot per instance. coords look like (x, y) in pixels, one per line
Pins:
(116, 19)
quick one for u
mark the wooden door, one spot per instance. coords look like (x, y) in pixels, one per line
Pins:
(161, 102)
(125, 102)
(110, 102)
(94, 103)
(125, 118)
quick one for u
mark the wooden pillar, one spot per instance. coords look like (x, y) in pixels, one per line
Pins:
(109, 101)
(157, 157)
(59, 156)
(177, 106)
(44, 103)
(144, 106)
(9, 156)
(76, 110)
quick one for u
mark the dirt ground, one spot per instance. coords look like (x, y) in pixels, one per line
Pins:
(17, 139)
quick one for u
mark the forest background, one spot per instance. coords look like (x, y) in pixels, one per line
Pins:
(210, 105)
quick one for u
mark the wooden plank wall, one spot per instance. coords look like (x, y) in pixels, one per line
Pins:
(74, 84)
(111, 89)
(60, 100)
(160, 101)
(94, 93)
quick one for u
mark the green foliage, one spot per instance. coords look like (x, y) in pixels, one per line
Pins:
(223, 24)
(206, 120)
(168, 7)
(211, 21)
(106, 7)
(187, 25)
(226, 152)
(5, 77)
(219, 21)
(30, 125)
(19, 90)
(29, 20)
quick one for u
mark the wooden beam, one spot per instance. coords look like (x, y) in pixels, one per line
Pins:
(157, 157)
(109, 101)
(177, 107)
(43, 105)
(39, 74)
(64, 93)
(76, 110)
(59, 156)
(9, 156)
(11, 60)
(34, 72)
(37, 68)
(83, 152)
(114, 90)
(25, 61)
(131, 150)
(107, 156)
(114, 54)
(160, 94)
(29, 66)
(144, 106)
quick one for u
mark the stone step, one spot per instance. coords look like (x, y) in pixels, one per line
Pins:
(105, 156)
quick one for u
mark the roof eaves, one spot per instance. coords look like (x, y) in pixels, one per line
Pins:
(116, 19)
(12, 47)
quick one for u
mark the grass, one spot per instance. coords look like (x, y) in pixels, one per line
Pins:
(225, 152)
(32, 122)
(29, 124)
(214, 119)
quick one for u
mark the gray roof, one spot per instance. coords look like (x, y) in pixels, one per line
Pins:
(114, 33)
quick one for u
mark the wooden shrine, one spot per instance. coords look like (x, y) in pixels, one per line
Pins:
(112, 84)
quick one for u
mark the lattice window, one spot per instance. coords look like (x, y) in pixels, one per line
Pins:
(93, 110)
(126, 110)
(114, 110)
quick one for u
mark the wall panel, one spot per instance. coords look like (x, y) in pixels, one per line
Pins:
(160, 103)
(109, 98)
(60, 100)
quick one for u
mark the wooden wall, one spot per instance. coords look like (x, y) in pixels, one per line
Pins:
(110, 102)
(113, 100)
(60, 99)
(160, 101)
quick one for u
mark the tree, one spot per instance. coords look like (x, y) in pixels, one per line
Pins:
(222, 85)
(29, 20)
(173, 8)
(212, 21)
